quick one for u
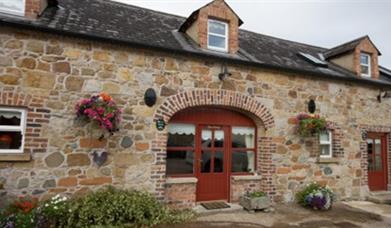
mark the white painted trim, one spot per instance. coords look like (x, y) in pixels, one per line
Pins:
(21, 128)
(246, 177)
(329, 143)
(219, 35)
(15, 12)
(367, 65)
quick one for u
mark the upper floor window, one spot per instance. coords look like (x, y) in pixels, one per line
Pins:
(15, 7)
(217, 35)
(365, 63)
(326, 145)
(12, 130)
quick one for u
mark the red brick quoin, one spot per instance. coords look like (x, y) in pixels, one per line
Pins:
(219, 98)
(37, 117)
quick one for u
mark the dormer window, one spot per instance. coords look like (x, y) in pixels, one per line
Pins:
(14, 7)
(365, 62)
(217, 35)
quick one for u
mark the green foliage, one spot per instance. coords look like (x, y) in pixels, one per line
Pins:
(311, 126)
(105, 208)
(257, 194)
(112, 207)
(301, 195)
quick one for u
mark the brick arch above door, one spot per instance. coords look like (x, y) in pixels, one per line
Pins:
(205, 97)
(217, 98)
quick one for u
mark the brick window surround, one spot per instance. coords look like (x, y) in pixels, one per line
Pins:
(37, 116)
(364, 153)
(337, 148)
(217, 98)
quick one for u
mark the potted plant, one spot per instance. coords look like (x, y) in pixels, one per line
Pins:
(316, 197)
(310, 124)
(255, 201)
(101, 111)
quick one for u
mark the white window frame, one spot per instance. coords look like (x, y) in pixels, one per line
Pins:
(21, 128)
(15, 12)
(366, 65)
(219, 35)
(329, 143)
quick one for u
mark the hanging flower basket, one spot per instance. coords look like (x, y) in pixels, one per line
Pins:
(99, 110)
(310, 124)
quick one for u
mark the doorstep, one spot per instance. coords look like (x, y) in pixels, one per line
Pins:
(380, 197)
(382, 210)
(199, 209)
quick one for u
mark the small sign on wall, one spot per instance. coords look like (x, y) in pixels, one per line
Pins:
(160, 124)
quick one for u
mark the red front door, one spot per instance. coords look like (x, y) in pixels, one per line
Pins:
(212, 169)
(377, 161)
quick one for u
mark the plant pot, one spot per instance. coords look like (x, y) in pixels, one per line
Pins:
(255, 203)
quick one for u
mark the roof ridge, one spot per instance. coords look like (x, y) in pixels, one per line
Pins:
(182, 17)
(140, 7)
(284, 39)
(349, 42)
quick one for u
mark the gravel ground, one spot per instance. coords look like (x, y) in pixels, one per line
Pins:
(291, 216)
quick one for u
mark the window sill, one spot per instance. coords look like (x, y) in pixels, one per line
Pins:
(328, 160)
(181, 180)
(15, 157)
(246, 177)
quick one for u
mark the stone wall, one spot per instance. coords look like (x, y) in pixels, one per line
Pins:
(59, 71)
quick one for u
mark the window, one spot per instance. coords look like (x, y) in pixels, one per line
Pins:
(15, 7)
(365, 63)
(217, 35)
(180, 149)
(325, 143)
(243, 150)
(12, 130)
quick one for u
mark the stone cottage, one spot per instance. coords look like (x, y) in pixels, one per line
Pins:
(209, 110)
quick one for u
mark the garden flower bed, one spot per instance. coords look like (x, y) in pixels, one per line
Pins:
(108, 207)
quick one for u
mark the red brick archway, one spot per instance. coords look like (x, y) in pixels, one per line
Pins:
(222, 98)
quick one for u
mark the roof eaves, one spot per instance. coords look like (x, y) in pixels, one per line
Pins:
(192, 53)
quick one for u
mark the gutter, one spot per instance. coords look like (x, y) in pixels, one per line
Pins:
(189, 53)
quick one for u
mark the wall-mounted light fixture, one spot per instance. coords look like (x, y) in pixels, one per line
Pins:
(382, 95)
(224, 72)
(311, 106)
(150, 97)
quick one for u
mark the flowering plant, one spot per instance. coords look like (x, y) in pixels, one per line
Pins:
(101, 110)
(316, 196)
(310, 124)
(52, 210)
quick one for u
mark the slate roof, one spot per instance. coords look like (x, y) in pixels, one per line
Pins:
(139, 27)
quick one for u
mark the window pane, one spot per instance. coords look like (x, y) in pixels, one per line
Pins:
(364, 59)
(369, 150)
(325, 150)
(219, 162)
(180, 162)
(10, 118)
(219, 138)
(242, 161)
(324, 137)
(243, 137)
(205, 161)
(206, 138)
(378, 163)
(181, 135)
(364, 70)
(10, 140)
(218, 28)
(216, 41)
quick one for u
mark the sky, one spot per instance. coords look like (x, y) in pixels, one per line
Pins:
(324, 23)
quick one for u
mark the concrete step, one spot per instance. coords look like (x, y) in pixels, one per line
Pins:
(380, 197)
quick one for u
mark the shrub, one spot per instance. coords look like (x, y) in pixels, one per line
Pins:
(21, 213)
(112, 207)
(316, 196)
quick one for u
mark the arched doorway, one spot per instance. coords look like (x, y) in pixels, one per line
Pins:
(211, 144)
